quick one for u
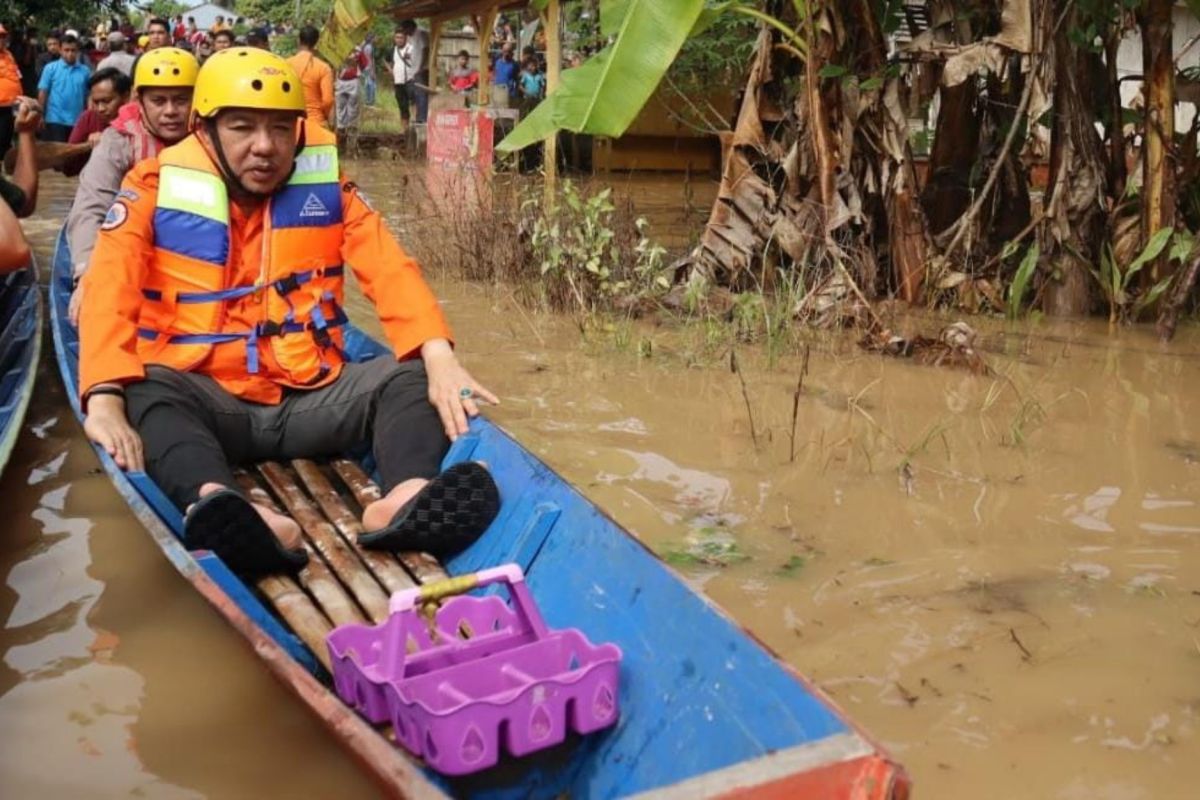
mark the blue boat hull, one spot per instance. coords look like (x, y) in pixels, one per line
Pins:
(706, 710)
(20, 348)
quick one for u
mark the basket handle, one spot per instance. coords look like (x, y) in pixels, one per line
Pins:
(440, 590)
(510, 574)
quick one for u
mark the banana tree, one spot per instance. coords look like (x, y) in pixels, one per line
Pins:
(818, 171)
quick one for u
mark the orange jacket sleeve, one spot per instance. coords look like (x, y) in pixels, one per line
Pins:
(390, 278)
(113, 283)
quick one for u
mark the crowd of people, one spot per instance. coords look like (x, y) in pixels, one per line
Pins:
(80, 79)
(82, 90)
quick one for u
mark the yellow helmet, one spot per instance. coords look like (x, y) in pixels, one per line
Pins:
(247, 77)
(166, 67)
(143, 40)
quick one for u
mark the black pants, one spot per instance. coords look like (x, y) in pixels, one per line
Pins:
(54, 132)
(402, 98)
(7, 118)
(193, 430)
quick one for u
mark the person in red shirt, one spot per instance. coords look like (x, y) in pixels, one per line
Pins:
(108, 90)
(463, 79)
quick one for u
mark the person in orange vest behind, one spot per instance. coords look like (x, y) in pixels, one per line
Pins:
(212, 333)
(157, 117)
(316, 78)
(10, 91)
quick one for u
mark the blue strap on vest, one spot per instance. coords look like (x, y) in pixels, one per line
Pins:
(284, 286)
(320, 327)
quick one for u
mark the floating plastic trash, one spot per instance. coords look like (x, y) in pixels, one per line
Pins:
(457, 681)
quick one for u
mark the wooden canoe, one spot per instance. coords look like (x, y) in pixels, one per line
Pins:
(20, 347)
(706, 710)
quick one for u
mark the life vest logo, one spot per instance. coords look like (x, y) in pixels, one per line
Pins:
(313, 207)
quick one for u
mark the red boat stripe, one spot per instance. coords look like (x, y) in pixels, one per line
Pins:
(840, 766)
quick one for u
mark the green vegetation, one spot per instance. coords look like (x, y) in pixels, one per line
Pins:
(709, 547)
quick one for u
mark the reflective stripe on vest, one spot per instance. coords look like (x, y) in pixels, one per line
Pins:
(191, 217)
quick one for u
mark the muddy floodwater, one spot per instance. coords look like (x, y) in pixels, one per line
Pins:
(998, 577)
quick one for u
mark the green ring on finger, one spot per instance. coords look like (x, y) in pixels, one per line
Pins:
(465, 393)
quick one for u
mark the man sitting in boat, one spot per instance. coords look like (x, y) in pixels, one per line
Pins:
(158, 116)
(211, 332)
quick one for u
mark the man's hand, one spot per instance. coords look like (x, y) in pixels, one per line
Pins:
(107, 426)
(29, 115)
(452, 390)
(94, 139)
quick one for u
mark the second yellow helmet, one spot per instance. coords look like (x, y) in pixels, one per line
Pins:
(165, 67)
(247, 77)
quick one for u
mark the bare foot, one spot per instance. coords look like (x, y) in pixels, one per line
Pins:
(378, 514)
(284, 527)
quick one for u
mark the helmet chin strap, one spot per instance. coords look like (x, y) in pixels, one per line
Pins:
(210, 127)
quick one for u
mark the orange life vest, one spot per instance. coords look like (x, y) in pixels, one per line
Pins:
(300, 287)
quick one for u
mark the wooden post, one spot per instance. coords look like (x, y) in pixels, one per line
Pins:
(553, 64)
(485, 31)
(435, 42)
(1158, 166)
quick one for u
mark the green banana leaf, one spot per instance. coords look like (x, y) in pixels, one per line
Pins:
(605, 95)
(612, 14)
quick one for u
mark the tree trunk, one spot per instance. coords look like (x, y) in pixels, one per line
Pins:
(829, 183)
(1118, 170)
(947, 192)
(1075, 210)
(1158, 182)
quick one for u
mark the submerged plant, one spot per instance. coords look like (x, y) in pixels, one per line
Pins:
(1116, 282)
(711, 547)
(589, 256)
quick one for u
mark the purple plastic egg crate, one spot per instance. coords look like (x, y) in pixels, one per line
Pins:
(480, 671)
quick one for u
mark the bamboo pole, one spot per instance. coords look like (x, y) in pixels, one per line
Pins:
(385, 568)
(297, 608)
(340, 557)
(328, 594)
(551, 18)
(301, 615)
(422, 566)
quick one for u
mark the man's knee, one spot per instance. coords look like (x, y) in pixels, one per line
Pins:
(406, 380)
(162, 386)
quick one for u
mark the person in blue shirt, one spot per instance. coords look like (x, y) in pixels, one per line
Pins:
(63, 91)
(504, 71)
(532, 82)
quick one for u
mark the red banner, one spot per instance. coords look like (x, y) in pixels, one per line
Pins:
(460, 140)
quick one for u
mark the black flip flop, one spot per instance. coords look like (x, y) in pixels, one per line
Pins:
(446, 516)
(225, 523)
